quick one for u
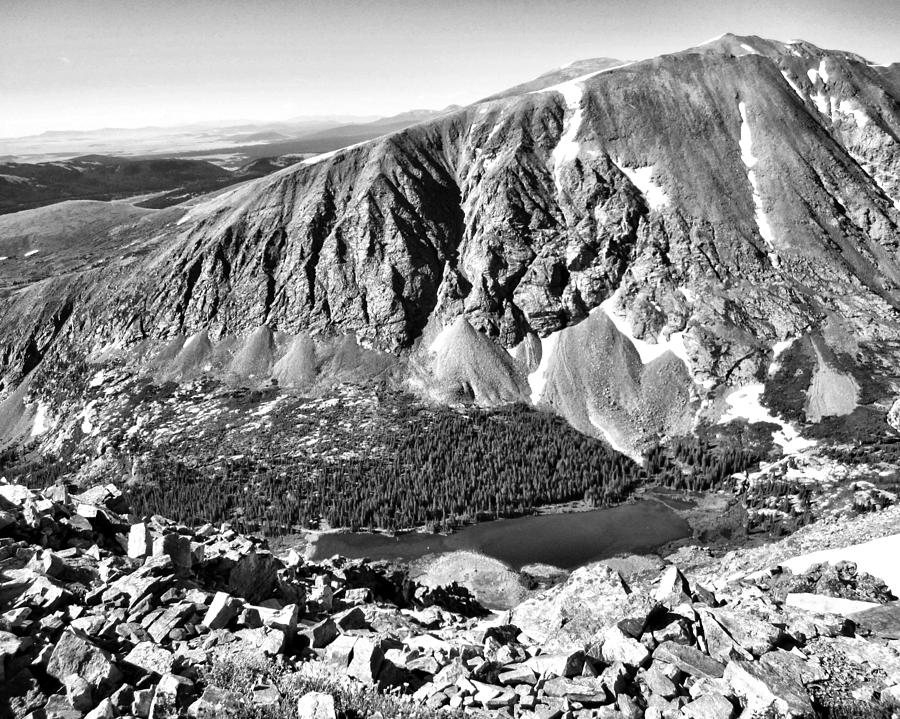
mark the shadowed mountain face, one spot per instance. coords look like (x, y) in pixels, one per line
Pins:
(715, 202)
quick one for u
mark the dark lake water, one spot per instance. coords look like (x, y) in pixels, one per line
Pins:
(563, 540)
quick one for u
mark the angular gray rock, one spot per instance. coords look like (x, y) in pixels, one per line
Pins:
(316, 705)
(76, 654)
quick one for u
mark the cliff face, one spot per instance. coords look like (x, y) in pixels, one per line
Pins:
(726, 198)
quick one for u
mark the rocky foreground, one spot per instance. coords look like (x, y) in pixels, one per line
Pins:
(104, 615)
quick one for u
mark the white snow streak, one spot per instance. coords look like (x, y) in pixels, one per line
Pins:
(813, 75)
(566, 149)
(847, 107)
(30, 253)
(750, 161)
(87, 414)
(744, 403)
(823, 103)
(646, 351)
(41, 423)
(537, 380)
(689, 294)
(823, 71)
(794, 86)
(712, 40)
(749, 48)
(778, 349)
(642, 178)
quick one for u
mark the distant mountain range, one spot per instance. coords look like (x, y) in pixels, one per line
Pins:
(229, 145)
(645, 248)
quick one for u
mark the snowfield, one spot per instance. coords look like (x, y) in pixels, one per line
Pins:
(744, 403)
(750, 161)
(642, 178)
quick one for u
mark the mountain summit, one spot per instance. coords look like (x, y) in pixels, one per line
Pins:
(644, 238)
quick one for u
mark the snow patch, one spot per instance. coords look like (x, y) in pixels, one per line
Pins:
(794, 86)
(749, 48)
(30, 253)
(778, 349)
(712, 40)
(87, 415)
(646, 351)
(813, 76)
(41, 420)
(3, 257)
(782, 346)
(846, 107)
(878, 557)
(689, 294)
(98, 379)
(750, 162)
(537, 380)
(566, 149)
(823, 71)
(642, 178)
(744, 403)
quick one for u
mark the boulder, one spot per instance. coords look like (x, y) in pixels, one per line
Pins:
(269, 641)
(221, 610)
(689, 660)
(140, 541)
(79, 692)
(760, 688)
(881, 620)
(168, 696)
(352, 618)
(171, 618)
(567, 664)
(568, 615)
(150, 657)
(673, 588)
(215, 703)
(320, 634)
(365, 660)
(177, 547)
(340, 651)
(520, 674)
(140, 702)
(709, 706)
(658, 683)
(316, 705)
(76, 654)
(253, 576)
(719, 643)
(104, 710)
(617, 647)
(751, 633)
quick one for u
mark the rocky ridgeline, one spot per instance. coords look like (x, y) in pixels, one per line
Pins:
(102, 615)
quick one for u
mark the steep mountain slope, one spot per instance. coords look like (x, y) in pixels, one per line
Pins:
(700, 207)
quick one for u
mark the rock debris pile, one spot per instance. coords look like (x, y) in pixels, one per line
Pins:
(103, 614)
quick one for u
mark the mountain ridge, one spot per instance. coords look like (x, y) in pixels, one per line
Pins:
(734, 197)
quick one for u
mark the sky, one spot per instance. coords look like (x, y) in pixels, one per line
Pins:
(79, 65)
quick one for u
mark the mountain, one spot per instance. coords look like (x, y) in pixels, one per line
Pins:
(657, 245)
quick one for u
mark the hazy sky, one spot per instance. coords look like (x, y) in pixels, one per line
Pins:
(73, 64)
